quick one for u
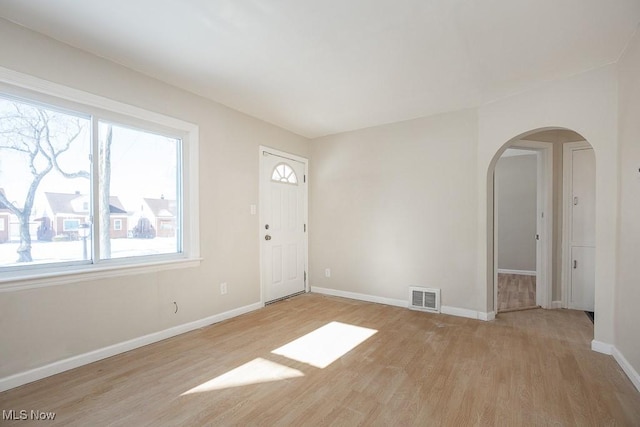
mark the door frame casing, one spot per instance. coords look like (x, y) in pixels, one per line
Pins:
(544, 226)
(567, 172)
(305, 186)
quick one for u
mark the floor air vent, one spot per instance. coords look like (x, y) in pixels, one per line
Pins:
(424, 299)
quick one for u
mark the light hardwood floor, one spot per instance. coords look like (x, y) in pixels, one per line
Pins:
(531, 367)
(516, 292)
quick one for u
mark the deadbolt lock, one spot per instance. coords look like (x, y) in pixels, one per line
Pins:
(266, 226)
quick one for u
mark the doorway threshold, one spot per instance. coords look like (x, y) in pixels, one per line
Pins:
(509, 310)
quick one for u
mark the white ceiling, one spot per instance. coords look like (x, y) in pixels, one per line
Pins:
(318, 67)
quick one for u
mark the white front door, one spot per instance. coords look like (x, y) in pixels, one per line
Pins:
(283, 198)
(582, 239)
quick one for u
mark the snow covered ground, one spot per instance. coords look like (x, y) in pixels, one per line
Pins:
(46, 252)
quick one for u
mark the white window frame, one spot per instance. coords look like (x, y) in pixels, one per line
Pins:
(117, 224)
(37, 90)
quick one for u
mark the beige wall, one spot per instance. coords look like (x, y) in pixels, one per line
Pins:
(628, 289)
(355, 195)
(588, 104)
(394, 206)
(516, 180)
(40, 326)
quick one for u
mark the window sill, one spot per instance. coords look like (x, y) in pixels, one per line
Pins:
(87, 273)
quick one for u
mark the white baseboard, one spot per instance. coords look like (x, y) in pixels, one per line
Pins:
(35, 374)
(627, 368)
(520, 272)
(454, 311)
(360, 297)
(602, 347)
(470, 314)
(487, 317)
(556, 304)
(460, 312)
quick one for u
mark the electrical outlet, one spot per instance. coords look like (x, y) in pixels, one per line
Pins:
(327, 272)
(223, 288)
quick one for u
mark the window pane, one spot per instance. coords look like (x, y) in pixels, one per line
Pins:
(283, 173)
(139, 173)
(44, 185)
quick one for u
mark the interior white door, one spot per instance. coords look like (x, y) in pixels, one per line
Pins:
(283, 230)
(582, 217)
(582, 278)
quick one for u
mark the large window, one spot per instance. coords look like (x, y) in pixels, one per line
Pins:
(85, 187)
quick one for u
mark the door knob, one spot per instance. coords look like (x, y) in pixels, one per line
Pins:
(267, 237)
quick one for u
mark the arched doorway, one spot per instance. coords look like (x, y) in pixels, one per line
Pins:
(558, 264)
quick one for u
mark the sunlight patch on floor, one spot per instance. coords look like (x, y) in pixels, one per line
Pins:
(326, 344)
(256, 371)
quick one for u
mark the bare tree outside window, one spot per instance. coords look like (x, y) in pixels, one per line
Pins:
(40, 137)
(105, 193)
